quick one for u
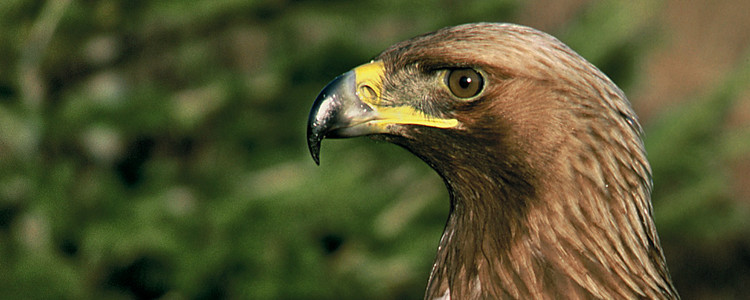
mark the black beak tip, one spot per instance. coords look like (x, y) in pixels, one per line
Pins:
(313, 144)
(314, 137)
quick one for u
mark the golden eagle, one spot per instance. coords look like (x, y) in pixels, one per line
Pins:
(541, 153)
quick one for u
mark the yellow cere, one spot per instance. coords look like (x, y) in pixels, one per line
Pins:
(369, 80)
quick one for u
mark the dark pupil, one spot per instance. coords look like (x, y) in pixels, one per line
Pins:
(464, 82)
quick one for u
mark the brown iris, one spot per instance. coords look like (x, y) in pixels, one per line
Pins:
(464, 83)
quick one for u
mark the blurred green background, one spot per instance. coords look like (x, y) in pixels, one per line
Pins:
(156, 149)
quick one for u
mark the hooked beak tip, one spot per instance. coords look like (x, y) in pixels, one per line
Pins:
(313, 144)
(326, 113)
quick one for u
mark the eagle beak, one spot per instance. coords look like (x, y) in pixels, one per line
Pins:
(351, 105)
(338, 112)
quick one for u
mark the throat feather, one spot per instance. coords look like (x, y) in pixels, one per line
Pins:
(572, 240)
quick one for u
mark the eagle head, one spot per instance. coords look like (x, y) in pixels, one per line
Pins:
(541, 153)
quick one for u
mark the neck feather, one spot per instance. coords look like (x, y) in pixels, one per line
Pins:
(582, 239)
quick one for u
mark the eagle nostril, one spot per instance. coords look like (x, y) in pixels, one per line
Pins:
(367, 93)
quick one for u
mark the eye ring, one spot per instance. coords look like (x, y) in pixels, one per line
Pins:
(464, 83)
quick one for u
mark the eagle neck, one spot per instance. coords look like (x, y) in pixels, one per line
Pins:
(504, 242)
(485, 218)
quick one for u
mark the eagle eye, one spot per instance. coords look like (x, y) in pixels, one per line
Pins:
(464, 83)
